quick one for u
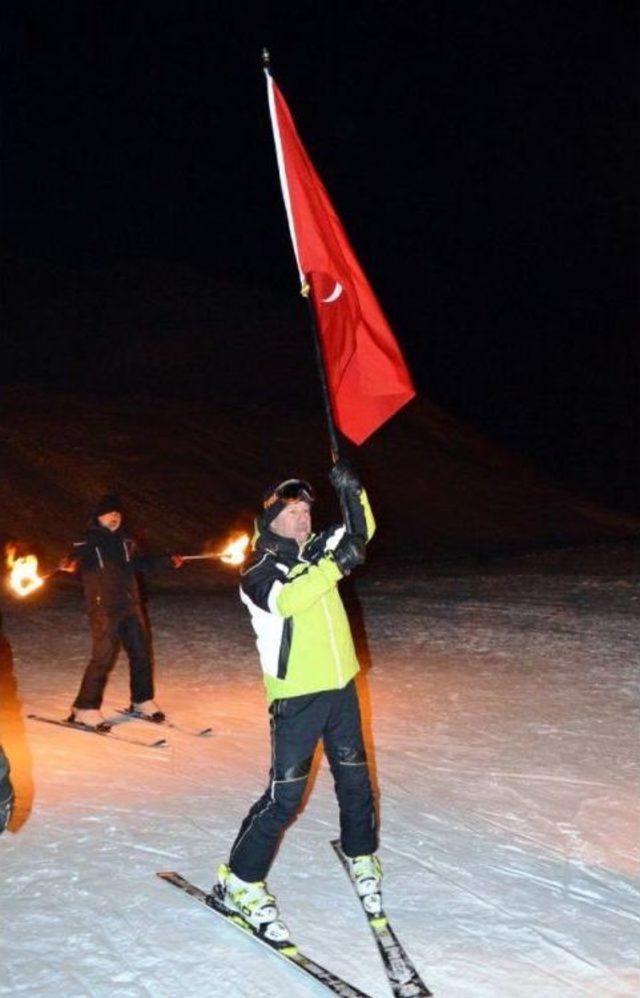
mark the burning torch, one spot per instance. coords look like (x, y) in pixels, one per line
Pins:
(24, 577)
(233, 553)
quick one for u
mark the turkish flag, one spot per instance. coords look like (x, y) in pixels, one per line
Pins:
(366, 373)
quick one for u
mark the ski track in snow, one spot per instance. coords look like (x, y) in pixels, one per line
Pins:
(502, 720)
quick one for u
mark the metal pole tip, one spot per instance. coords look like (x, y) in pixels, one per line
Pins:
(266, 58)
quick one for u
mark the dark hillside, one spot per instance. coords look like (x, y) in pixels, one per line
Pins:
(189, 474)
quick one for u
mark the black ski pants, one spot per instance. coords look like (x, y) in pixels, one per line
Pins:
(297, 724)
(109, 630)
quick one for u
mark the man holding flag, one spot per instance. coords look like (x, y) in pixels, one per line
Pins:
(290, 586)
(309, 664)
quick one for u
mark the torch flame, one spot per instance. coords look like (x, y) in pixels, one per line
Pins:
(23, 577)
(235, 551)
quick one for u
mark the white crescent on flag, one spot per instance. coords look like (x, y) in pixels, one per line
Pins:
(335, 294)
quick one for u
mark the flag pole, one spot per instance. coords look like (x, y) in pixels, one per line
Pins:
(322, 374)
(306, 293)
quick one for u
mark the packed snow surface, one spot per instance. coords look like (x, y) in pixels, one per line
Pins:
(501, 717)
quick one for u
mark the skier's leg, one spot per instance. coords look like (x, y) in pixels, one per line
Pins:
(104, 635)
(133, 634)
(344, 747)
(296, 725)
(6, 792)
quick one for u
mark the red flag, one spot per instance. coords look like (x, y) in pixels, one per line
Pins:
(367, 376)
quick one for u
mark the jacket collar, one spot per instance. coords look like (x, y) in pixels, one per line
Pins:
(282, 547)
(97, 528)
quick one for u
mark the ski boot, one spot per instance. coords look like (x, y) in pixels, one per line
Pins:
(254, 903)
(149, 710)
(366, 873)
(90, 718)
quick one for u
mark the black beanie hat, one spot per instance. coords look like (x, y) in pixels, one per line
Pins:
(269, 513)
(108, 503)
(292, 489)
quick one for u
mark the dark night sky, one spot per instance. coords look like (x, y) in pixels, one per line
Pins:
(481, 155)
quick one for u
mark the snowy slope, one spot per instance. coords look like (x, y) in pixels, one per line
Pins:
(501, 714)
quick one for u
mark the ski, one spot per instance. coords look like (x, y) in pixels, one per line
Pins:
(105, 731)
(135, 715)
(288, 952)
(404, 979)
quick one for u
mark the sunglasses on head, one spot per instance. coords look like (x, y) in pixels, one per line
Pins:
(292, 490)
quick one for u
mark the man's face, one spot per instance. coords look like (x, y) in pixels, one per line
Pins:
(110, 520)
(293, 521)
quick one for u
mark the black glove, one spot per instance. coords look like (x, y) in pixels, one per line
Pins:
(342, 476)
(349, 553)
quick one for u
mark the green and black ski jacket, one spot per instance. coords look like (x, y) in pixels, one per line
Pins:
(302, 631)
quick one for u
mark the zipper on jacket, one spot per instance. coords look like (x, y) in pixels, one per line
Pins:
(100, 561)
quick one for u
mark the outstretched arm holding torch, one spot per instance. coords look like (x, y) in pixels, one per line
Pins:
(107, 560)
(233, 554)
